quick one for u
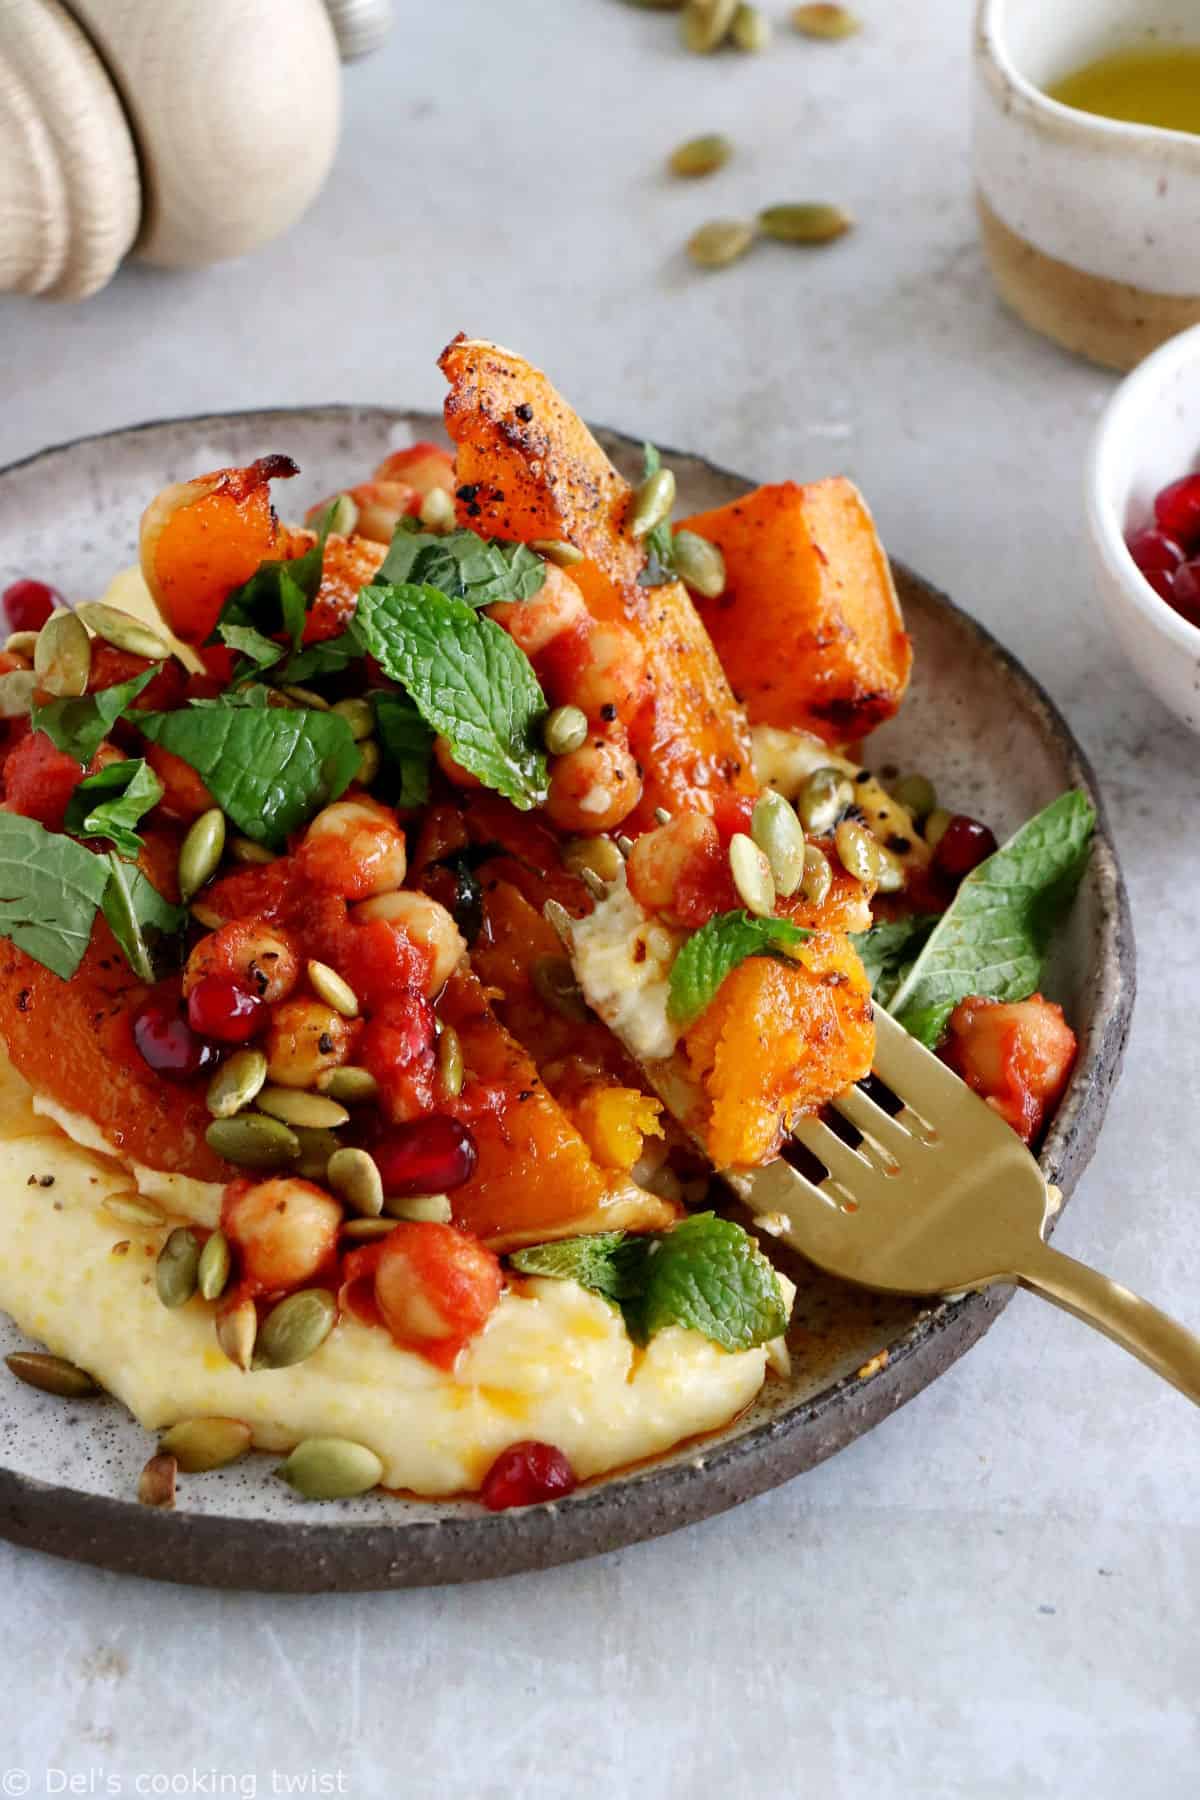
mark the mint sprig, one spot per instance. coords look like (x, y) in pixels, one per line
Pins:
(79, 726)
(468, 680)
(715, 951)
(268, 768)
(110, 803)
(274, 602)
(139, 918)
(406, 743)
(707, 1275)
(889, 949)
(462, 565)
(50, 890)
(993, 937)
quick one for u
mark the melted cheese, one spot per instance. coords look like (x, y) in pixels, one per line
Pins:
(622, 960)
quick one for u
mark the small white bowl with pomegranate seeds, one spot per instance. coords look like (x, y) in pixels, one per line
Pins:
(1143, 498)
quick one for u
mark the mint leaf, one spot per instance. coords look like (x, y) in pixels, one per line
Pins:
(659, 543)
(79, 726)
(268, 768)
(262, 652)
(714, 951)
(138, 916)
(463, 565)
(993, 938)
(406, 743)
(706, 1274)
(110, 803)
(468, 680)
(889, 950)
(331, 657)
(50, 890)
(276, 599)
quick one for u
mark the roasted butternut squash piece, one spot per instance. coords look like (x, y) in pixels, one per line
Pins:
(527, 467)
(809, 628)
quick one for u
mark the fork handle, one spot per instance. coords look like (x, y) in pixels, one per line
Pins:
(1164, 1346)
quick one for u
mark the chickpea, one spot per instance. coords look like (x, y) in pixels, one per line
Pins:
(659, 858)
(285, 1229)
(594, 788)
(535, 623)
(428, 924)
(381, 505)
(355, 848)
(304, 1039)
(611, 673)
(422, 467)
(258, 956)
(452, 770)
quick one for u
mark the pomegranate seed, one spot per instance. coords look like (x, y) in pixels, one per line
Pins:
(1152, 549)
(29, 604)
(1185, 591)
(168, 1044)
(1162, 581)
(219, 1008)
(526, 1473)
(427, 1156)
(962, 847)
(1177, 509)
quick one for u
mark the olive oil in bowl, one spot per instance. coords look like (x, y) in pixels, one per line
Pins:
(1148, 85)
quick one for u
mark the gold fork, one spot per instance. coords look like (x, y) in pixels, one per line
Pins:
(941, 1197)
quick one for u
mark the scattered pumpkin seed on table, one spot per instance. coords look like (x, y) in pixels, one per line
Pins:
(701, 155)
(52, 1375)
(804, 222)
(327, 1468)
(751, 29)
(825, 19)
(719, 243)
(199, 1445)
(156, 1484)
(705, 24)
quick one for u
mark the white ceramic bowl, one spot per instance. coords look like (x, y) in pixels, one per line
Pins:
(1148, 436)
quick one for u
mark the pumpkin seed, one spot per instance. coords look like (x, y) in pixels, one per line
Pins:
(822, 19)
(555, 550)
(751, 29)
(52, 1375)
(354, 1177)
(253, 1142)
(328, 1468)
(16, 693)
(132, 1209)
(199, 1445)
(316, 1148)
(208, 916)
(237, 1329)
(123, 631)
(818, 876)
(328, 986)
(599, 854)
(918, 793)
(359, 715)
(295, 1329)
(421, 1209)
(804, 222)
(437, 510)
(823, 799)
(450, 1062)
(698, 564)
(21, 643)
(564, 729)
(779, 835)
(557, 916)
(720, 243)
(701, 155)
(176, 1272)
(661, 816)
(368, 1231)
(236, 1083)
(751, 875)
(858, 851)
(596, 888)
(554, 981)
(369, 762)
(652, 502)
(342, 513)
(212, 1271)
(351, 1085)
(156, 1484)
(705, 23)
(63, 657)
(295, 1106)
(245, 850)
(891, 871)
(935, 826)
(306, 697)
(200, 852)
(624, 845)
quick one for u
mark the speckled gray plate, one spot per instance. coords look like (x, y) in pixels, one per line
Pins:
(995, 746)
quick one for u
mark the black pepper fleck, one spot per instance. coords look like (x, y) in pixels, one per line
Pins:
(608, 712)
(524, 412)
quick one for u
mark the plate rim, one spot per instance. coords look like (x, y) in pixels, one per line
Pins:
(278, 1556)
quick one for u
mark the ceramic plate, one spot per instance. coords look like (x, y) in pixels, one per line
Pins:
(974, 721)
